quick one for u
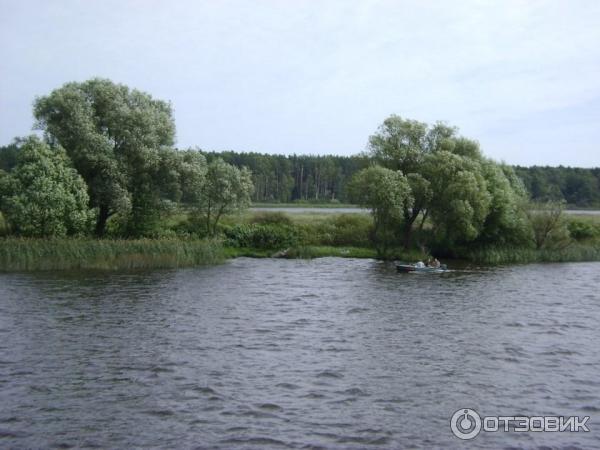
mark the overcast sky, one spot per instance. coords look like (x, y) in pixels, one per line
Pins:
(521, 77)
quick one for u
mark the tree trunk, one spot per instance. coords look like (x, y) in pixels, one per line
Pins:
(103, 215)
(407, 235)
(409, 220)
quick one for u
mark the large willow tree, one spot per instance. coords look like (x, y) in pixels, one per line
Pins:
(117, 139)
(466, 196)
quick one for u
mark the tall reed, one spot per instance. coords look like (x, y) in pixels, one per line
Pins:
(496, 255)
(63, 254)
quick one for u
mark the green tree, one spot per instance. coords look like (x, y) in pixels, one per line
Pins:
(506, 222)
(43, 195)
(466, 196)
(550, 229)
(226, 189)
(460, 200)
(182, 174)
(8, 155)
(387, 193)
(406, 145)
(114, 136)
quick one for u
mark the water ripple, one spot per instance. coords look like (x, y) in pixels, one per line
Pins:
(323, 354)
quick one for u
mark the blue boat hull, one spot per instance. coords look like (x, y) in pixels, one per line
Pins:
(406, 268)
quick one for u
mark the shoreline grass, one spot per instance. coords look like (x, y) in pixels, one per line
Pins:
(106, 254)
(21, 255)
(265, 234)
(572, 253)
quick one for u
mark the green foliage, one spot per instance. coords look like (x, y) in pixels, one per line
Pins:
(523, 255)
(70, 254)
(3, 225)
(506, 222)
(578, 187)
(8, 155)
(310, 179)
(402, 144)
(582, 230)
(460, 201)
(115, 137)
(549, 225)
(387, 193)
(43, 195)
(226, 189)
(304, 179)
(183, 175)
(352, 230)
(269, 236)
(271, 218)
(444, 177)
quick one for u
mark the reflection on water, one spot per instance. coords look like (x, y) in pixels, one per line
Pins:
(330, 353)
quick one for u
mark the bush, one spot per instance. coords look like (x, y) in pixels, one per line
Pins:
(271, 218)
(261, 236)
(581, 230)
(43, 196)
(352, 229)
(317, 233)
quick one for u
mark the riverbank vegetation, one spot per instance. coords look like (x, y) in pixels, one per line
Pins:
(105, 188)
(323, 179)
(26, 254)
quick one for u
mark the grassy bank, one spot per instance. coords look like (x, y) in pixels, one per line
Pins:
(268, 234)
(67, 254)
(574, 253)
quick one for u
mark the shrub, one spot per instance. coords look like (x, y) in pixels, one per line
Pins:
(271, 218)
(43, 196)
(352, 229)
(581, 230)
(261, 236)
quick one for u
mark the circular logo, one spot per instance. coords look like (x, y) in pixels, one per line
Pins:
(465, 423)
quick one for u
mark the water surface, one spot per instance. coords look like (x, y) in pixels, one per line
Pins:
(329, 353)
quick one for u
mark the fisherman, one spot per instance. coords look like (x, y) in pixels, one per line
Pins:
(420, 264)
(435, 263)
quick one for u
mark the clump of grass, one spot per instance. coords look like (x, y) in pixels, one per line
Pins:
(572, 253)
(271, 218)
(105, 254)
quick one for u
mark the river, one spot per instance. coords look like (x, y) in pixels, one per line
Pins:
(266, 353)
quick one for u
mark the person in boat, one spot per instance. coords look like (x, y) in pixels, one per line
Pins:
(420, 264)
(435, 263)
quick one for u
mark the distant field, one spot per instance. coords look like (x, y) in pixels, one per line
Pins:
(311, 209)
(304, 205)
(295, 208)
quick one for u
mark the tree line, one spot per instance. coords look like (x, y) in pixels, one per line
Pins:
(107, 160)
(325, 178)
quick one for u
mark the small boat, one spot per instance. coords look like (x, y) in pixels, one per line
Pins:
(406, 268)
